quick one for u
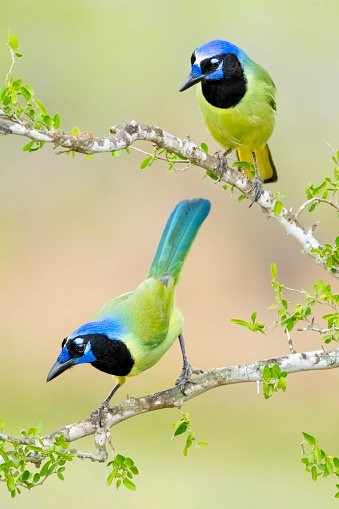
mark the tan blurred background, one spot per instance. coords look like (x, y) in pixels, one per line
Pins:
(75, 233)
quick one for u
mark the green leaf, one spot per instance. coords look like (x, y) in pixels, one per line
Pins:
(119, 460)
(274, 270)
(129, 484)
(266, 373)
(314, 473)
(180, 429)
(56, 121)
(36, 478)
(26, 93)
(202, 444)
(111, 477)
(204, 147)
(26, 475)
(311, 440)
(134, 470)
(41, 107)
(240, 322)
(128, 463)
(145, 162)
(4, 455)
(10, 483)
(277, 208)
(13, 42)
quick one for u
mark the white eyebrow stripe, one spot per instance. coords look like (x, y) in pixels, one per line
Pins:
(79, 341)
(214, 60)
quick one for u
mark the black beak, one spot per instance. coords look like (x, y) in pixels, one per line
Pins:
(58, 368)
(191, 80)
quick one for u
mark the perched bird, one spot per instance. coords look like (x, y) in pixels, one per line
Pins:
(236, 98)
(133, 331)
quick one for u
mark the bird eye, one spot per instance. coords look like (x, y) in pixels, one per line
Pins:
(209, 65)
(193, 58)
(80, 348)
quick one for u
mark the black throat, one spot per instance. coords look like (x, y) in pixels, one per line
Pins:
(113, 356)
(228, 91)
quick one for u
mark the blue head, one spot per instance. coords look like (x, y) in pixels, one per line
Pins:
(96, 343)
(211, 62)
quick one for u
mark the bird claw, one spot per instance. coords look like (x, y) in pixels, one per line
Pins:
(223, 163)
(185, 377)
(257, 189)
(99, 414)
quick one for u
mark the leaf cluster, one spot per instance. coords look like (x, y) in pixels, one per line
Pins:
(253, 326)
(318, 463)
(17, 100)
(273, 379)
(123, 470)
(14, 470)
(303, 312)
(184, 426)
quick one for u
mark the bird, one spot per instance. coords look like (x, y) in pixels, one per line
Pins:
(236, 97)
(133, 331)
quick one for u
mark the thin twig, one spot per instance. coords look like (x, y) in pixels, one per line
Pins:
(13, 62)
(314, 200)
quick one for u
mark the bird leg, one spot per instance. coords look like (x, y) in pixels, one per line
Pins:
(257, 188)
(223, 163)
(187, 369)
(99, 413)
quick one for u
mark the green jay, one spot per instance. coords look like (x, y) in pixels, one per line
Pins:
(133, 331)
(236, 98)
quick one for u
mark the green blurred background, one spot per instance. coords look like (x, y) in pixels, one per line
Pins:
(75, 233)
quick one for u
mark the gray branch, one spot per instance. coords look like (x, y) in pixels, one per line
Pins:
(173, 398)
(125, 135)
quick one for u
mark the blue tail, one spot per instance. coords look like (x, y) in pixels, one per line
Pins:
(178, 235)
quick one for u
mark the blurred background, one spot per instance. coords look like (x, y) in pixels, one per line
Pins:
(75, 233)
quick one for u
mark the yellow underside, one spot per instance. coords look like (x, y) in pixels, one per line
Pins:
(247, 126)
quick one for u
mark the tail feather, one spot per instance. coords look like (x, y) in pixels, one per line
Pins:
(266, 165)
(179, 233)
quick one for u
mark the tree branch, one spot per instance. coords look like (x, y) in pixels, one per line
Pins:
(124, 135)
(173, 398)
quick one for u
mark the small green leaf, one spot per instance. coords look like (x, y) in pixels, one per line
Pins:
(128, 463)
(36, 478)
(41, 107)
(181, 429)
(311, 440)
(56, 121)
(129, 484)
(145, 162)
(274, 270)
(277, 208)
(13, 42)
(10, 483)
(204, 147)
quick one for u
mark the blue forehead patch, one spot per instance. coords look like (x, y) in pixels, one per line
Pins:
(64, 356)
(111, 327)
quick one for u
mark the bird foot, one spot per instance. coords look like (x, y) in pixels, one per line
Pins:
(99, 414)
(257, 189)
(185, 376)
(223, 163)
